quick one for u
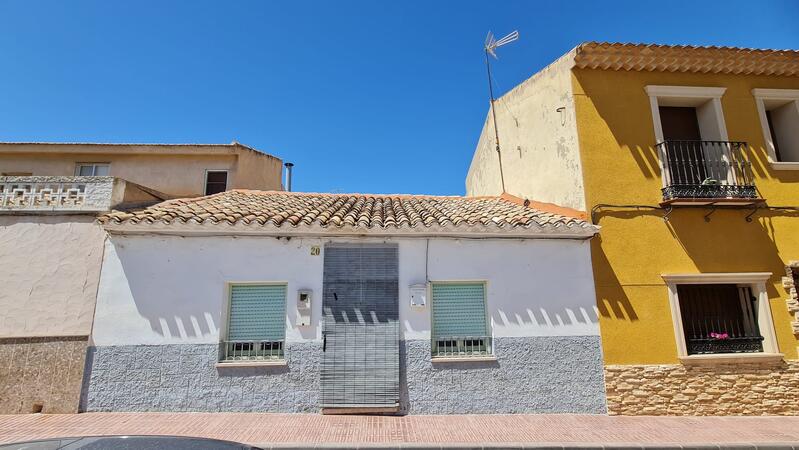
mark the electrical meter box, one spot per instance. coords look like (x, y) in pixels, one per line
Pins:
(418, 295)
(304, 307)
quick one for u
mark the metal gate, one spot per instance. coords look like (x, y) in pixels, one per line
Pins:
(360, 364)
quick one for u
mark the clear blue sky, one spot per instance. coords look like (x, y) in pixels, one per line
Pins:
(371, 96)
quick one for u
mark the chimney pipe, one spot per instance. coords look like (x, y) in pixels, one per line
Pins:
(288, 175)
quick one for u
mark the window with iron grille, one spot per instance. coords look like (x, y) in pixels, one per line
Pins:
(719, 318)
(215, 181)
(460, 326)
(256, 327)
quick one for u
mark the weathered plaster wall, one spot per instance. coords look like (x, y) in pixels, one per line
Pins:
(621, 166)
(540, 154)
(50, 267)
(177, 175)
(729, 389)
(160, 307)
(41, 371)
(162, 289)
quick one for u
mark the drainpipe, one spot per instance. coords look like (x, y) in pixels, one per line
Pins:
(288, 175)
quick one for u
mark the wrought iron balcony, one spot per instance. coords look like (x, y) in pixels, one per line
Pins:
(706, 170)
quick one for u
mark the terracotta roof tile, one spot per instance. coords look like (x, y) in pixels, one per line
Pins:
(686, 58)
(302, 211)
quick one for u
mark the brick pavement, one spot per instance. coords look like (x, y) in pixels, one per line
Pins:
(496, 431)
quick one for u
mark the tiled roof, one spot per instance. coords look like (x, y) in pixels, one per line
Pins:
(685, 58)
(383, 214)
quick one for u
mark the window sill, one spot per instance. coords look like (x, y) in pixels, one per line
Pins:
(462, 359)
(276, 363)
(731, 358)
(784, 165)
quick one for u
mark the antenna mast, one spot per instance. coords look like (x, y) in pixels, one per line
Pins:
(492, 44)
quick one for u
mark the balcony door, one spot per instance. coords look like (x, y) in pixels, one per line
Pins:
(685, 154)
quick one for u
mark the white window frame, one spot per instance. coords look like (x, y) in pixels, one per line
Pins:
(225, 318)
(489, 323)
(691, 96)
(94, 165)
(757, 282)
(789, 95)
(205, 179)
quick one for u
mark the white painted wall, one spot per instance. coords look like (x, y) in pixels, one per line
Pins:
(168, 289)
(538, 134)
(49, 270)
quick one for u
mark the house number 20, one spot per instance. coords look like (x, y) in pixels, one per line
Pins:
(315, 250)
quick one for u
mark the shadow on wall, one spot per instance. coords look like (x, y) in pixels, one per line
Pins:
(173, 305)
(728, 243)
(537, 315)
(612, 301)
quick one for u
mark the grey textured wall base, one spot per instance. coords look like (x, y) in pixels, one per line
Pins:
(184, 378)
(561, 374)
(531, 375)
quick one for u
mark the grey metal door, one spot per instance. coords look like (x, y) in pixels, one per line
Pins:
(360, 363)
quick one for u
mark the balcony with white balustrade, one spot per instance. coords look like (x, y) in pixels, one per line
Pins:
(70, 195)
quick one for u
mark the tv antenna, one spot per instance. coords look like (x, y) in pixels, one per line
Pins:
(490, 47)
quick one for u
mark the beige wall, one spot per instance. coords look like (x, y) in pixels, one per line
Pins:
(540, 155)
(174, 170)
(50, 267)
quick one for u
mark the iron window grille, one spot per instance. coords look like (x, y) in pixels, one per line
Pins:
(458, 346)
(253, 351)
(719, 318)
(706, 169)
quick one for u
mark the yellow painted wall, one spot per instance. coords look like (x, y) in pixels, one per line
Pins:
(620, 166)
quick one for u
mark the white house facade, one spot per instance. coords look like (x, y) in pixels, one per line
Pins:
(290, 302)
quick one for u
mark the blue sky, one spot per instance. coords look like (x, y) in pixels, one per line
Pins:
(372, 96)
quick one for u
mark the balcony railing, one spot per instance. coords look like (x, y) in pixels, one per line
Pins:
(38, 194)
(706, 170)
(252, 351)
(461, 346)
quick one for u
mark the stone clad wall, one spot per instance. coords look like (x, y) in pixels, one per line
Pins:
(675, 389)
(43, 372)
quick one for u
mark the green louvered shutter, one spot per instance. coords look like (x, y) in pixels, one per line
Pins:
(459, 319)
(257, 322)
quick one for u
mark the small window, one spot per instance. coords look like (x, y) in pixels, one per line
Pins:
(783, 124)
(460, 326)
(256, 326)
(16, 174)
(779, 118)
(719, 318)
(215, 181)
(92, 169)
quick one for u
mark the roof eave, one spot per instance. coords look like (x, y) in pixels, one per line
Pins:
(255, 229)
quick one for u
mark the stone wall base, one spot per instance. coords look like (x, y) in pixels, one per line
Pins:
(531, 375)
(41, 374)
(725, 389)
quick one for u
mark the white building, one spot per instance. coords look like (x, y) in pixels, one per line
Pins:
(293, 302)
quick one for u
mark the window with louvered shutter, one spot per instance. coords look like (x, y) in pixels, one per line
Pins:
(256, 322)
(460, 325)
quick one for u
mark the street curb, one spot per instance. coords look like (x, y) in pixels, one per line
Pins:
(537, 446)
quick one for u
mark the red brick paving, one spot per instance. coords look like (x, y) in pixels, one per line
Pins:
(475, 429)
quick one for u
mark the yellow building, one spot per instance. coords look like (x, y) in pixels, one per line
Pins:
(688, 159)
